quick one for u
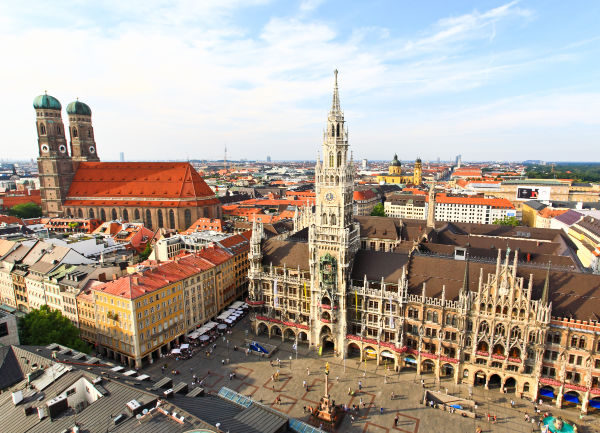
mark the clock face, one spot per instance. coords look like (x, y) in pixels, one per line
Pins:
(329, 196)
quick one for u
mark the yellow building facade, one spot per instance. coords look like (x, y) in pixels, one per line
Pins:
(395, 175)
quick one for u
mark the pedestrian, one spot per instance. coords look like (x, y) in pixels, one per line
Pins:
(396, 421)
(381, 410)
(360, 402)
(337, 379)
(488, 416)
(307, 371)
(392, 396)
(304, 384)
(351, 418)
(304, 409)
(512, 403)
(222, 362)
(360, 385)
(495, 419)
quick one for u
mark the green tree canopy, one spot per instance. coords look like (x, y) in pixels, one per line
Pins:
(378, 210)
(43, 326)
(26, 210)
(146, 252)
(508, 221)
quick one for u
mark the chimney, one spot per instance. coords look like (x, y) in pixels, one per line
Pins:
(102, 277)
(114, 277)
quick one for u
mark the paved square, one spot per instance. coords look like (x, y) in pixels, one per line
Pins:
(253, 379)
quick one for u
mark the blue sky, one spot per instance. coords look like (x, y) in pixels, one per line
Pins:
(491, 80)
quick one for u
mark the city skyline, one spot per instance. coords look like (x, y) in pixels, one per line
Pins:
(493, 81)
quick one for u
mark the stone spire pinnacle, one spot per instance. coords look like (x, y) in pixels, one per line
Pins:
(545, 292)
(335, 104)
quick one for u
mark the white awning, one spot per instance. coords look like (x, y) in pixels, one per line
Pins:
(130, 373)
(185, 346)
(143, 377)
(176, 351)
(117, 368)
(222, 326)
(237, 304)
(210, 325)
(204, 338)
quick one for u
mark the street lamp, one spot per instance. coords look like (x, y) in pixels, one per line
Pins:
(290, 362)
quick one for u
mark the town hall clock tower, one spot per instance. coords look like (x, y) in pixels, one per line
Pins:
(333, 235)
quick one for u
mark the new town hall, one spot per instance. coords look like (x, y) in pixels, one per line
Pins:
(494, 306)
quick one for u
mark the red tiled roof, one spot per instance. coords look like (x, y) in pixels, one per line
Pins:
(480, 201)
(175, 183)
(206, 224)
(364, 194)
(8, 219)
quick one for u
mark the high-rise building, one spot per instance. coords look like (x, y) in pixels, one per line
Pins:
(364, 163)
(268, 158)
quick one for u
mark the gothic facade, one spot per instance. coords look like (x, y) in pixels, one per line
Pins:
(428, 296)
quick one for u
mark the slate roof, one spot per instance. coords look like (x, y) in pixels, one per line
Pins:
(290, 253)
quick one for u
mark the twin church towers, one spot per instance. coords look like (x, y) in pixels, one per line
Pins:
(56, 163)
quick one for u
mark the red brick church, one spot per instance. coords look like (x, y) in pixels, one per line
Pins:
(74, 182)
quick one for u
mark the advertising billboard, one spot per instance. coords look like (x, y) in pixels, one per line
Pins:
(533, 193)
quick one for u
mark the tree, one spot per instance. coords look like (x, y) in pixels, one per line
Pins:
(378, 210)
(146, 252)
(44, 326)
(26, 210)
(508, 221)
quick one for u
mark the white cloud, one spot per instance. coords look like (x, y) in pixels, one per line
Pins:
(169, 80)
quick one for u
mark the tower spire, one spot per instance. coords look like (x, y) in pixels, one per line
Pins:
(545, 293)
(335, 104)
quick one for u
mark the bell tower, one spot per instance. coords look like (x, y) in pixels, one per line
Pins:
(83, 145)
(54, 163)
(418, 172)
(333, 235)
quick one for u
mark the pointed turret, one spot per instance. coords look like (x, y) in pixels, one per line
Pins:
(465, 286)
(335, 103)
(546, 291)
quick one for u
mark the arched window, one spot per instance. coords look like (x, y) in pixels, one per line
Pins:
(205, 211)
(515, 332)
(338, 129)
(102, 214)
(582, 343)
(483, 328)
(74, 132)
(89, 133)
(42, 129)
(499, 330)
(324, 219)
(330, 159)
(125, 215)
(435, 317)
(332, 219)
(429, 316)
(332, 130)
(91, 213)
(114, 214)
(148, 219)
(159, 218)
(172, 219)
(187, 217)
(136, 215)
(79, 213)
(339, 159)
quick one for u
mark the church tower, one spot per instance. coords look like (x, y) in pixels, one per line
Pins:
(333, 235)
(54, 163)
(418, 172)
(83, 146)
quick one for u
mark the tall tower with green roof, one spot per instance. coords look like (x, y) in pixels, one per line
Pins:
(83, 145)
(54, 162)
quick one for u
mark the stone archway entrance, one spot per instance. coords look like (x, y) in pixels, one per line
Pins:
(262, 329)
(494, 382)
(510, 385)
(326, 340)
(353, 350)
(479, 378)
(447, 370)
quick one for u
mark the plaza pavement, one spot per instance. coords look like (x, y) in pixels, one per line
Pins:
(253, 378)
